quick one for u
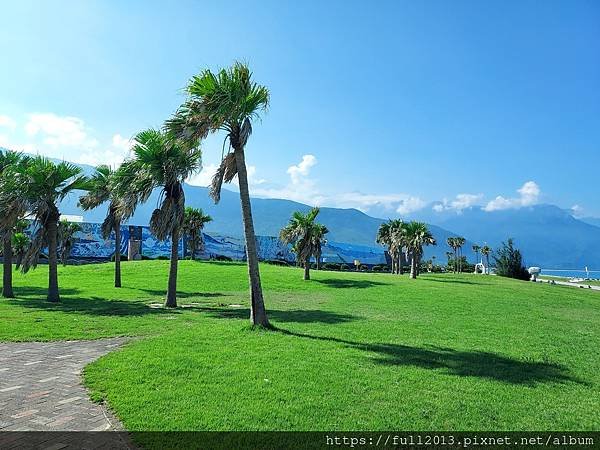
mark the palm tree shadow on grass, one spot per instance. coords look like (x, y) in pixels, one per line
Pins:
(459, 363)
(292, 315)
(71, 303)
(161, 293)
(353, 284)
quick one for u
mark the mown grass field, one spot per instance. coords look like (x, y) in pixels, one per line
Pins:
(351, 351)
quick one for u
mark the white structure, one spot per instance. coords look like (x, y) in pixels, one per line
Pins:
(534, 272)
(480, 268)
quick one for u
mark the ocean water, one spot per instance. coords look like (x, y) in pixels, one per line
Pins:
(595, 274)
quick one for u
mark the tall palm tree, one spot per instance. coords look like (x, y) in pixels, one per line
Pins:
(66, 239)
(476, 248)
(486, 251)
(12, 209)
(101, 190)
(228, 101)
(417, 236)
(460, 241)
(43, 185)
(305, 234)
(194, 220)
(391, 234)
(453, 244)
(159, 162)
(318, 240)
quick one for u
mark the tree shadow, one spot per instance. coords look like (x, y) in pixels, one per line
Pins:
(163, 292)
(448, 281)
(353, 284)
(459, 363)
(93, 306)
(292, 315)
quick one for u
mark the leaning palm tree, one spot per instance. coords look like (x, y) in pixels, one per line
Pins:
(43, 184)
(12, 209)
(228, 101)
(417, 236)
(101, 190)
(194, 220)
(486, 251)
(66, 239)
(303, 232)
(159, 162)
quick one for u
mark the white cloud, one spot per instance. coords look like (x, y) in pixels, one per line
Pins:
(529, 195)
(301, 170)
(7, 122)
(577, 211)
(57, 131)
(460, 202)
(303, 188)
(122, 143)
(204, 177)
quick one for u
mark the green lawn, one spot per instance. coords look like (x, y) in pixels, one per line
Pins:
(352, 351)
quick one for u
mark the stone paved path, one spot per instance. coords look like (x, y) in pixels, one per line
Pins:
(41, 388)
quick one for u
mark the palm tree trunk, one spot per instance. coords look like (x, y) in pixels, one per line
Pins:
(193, 240)
(400, 262)
(258, 315)
(171, 301)
(318, 258)
(7, 289)
(413, 266)
(307, 269)
(53, 293)
(118, 254)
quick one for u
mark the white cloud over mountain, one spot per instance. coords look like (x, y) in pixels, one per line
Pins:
(529, 195)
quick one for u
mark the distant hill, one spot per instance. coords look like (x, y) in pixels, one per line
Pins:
(547, 235)
(270, 215)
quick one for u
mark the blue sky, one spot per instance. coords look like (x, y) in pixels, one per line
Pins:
(383, 106)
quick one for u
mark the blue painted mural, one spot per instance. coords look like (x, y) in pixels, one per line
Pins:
(90, 244)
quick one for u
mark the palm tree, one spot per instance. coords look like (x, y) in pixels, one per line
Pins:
(486, 251)
(66, 239)
(476, 249)
(460, 241)
(417, 236)
(11, 211)
(391, 234)
(158, 162)
(194, 220)
(453, 244)
(305, 234)
(20, 243)
(228, 101)
(101, 190)
(318, 240)
(43, 185)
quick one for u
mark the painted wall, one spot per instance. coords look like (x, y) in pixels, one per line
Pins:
(90, 244)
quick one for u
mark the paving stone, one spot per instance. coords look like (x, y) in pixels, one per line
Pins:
(41, 387)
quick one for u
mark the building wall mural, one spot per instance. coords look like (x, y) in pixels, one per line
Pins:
(90, 244)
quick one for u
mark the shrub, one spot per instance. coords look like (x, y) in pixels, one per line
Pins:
(363, 268)
(162, 258)
(331, 266)
(509, 262)
(222, 258)
(380, 268)
(123, 258)
(344, 267)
